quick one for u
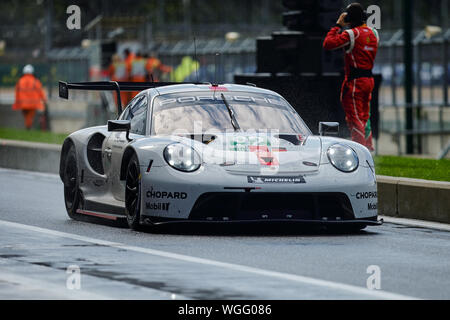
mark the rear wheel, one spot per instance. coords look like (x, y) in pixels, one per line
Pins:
(133, 193)
(72, 194)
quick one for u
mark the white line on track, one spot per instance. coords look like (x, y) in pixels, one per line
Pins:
(360, 292)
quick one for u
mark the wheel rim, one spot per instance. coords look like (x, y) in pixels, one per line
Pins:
(70, 183)
(132, 190)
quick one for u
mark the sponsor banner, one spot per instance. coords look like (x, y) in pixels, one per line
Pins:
(366, 195)
(372, 206)
(157, 206)
(166, 194)
(267, 179)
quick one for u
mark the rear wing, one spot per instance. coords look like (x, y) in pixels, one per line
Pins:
(64, 87)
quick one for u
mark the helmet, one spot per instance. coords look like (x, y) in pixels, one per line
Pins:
(28, 69)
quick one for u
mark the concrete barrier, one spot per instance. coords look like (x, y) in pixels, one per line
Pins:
(397, 197)
(33, 156)
(414, 198)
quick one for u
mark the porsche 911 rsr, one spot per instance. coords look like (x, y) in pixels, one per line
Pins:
(215, 153)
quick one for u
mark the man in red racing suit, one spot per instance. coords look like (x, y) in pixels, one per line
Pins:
(360, 44)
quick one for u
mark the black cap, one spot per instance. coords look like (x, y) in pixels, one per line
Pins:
(356, 15)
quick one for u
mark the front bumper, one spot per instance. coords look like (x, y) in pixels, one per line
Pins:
(167, 193)
(241, 206)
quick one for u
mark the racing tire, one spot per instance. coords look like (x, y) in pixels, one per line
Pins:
(133, 194)
(72, 194)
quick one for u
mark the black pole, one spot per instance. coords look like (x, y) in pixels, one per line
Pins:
(446, 73)
(419, 94)
(47, 47)
(408, 62)
(49, 26)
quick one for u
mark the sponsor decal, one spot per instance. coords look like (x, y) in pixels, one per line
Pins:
(157, 206)
(273, 100)
(242, 143)
(366, 195)
(263, 179)
(372, 206)
(265, 157)
(281, 149)
(217, 88)
(166, 194)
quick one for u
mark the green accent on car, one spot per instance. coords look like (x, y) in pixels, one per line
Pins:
(242, 143)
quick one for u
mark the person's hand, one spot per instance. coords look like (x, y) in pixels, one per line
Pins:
(341, 21)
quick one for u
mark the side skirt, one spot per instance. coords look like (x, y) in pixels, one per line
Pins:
(102, 215)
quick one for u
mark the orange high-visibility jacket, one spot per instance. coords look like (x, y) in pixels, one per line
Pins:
(128, 61)
(138, 72)
(118, 71)
(29, 94)
(155, 68)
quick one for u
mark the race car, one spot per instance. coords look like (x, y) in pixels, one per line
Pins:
(214, 153)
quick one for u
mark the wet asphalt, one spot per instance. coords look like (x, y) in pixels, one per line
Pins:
(202, 263)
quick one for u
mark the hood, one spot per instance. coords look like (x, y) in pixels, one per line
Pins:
(244, 153)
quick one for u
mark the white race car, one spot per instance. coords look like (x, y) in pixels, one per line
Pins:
(214, 153)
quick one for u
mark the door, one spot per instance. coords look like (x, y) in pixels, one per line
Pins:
(115, 145)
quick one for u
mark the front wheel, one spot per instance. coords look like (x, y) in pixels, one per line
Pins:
(133, 193)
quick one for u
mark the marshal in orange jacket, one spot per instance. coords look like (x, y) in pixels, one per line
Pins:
(29, 94)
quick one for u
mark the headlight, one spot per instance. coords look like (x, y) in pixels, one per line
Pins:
(342, 157)
(182, 157)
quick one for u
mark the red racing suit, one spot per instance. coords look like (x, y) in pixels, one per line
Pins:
(360, 45)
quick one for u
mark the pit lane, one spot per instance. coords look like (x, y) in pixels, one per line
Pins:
(38, 243)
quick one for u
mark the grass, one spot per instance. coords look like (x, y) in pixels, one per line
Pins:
(32, 135)
(419, 168)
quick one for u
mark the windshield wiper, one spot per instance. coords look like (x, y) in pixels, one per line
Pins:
(234, 122)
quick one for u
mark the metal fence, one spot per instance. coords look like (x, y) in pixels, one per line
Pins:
(430, 88)
(431, 67)
(72, 64)
(218, 59)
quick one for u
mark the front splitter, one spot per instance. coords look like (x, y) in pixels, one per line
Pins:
(289, 222)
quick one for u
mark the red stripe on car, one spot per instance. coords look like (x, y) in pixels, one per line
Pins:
(97, 214)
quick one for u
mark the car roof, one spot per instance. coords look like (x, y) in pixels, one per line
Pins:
(223, 88)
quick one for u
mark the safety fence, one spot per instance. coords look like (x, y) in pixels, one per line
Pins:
(218, 59)
(431, 77)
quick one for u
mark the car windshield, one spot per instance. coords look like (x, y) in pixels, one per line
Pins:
(203, 112)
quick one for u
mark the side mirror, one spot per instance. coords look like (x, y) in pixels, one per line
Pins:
(120, 126)
(328, 128)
